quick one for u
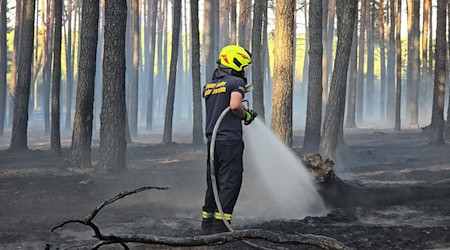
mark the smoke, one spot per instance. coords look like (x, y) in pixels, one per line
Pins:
(276, 184)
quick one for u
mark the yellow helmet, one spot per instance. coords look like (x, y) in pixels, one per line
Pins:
(235, 57)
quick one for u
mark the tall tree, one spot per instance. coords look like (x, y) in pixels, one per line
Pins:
(208, 34)
(244, 19)
(328, 47)
(151, 64)
(390, 73)
(134, 84)
(233, 25)
(22, 89)
(346, 13)
(112, 131)
(3, 64)
(69, 67)
(437, 117)
(353, 79)
(15, 59)
(410, 8)
(55, 138)
(447, 124)
(159, 75)
(362, 46)
(80, 152)
(224, 10)
(370, 12)
(197, 133)
(398, 77)
(424, 70)
(257, 60)
(283, 71)
(415, 64)
(314, 105)
(167, 136)
(382, 59)
(47, 74)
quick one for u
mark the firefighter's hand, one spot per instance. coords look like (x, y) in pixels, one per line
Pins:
(250, 115)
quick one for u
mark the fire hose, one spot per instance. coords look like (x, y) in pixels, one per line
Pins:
(213, 177)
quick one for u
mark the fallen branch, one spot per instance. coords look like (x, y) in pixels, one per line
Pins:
(214, 239)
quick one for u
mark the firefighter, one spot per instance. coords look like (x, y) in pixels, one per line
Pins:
(227, 88)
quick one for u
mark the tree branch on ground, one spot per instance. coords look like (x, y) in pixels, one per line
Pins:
(214, 239)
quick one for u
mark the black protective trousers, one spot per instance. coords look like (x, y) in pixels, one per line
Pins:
(228, 168)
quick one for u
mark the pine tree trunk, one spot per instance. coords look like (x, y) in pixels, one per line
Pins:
(208, 34)
(151, 64)
(15, 60)
(257, 60)
(314, 105)
(383, 61)
(390, 111)
(437, 117)
(99, 71)
(328, 46)
(55, 138)
(22, 89)
(112, 131)
(303, 88)
(224, 23)
(3, 64)
(197, 133)
(398, 77)
(282, 84)
(415, 64)
(159, 76)
(80, 152)
(352, 82)
(69, 67)
(362, 45)
(410, 7)
(216, 29)
(447, 124)
(370, 104)
(167, 136)
(233, 26)
(244, 16)
(165, 58)
(47, 74)
(134, 84)
(424, 81)
(346, 12)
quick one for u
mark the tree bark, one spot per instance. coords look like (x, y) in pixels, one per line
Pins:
(225, 33)
(410, 7)
(112, 130)
(390, 111)
(346, 12)
(3, 64)
(80, 152)
(233, 21)
(257, 60)
(151, 64)
(328, 47)
(415, 64)
(383, 61)
(370, 104)
(282, 84)
(437, 117)
(47, 74)
(69, 68)
(244, 18)
(22, 89)
(305, 75)
(15, 59)
(353, 81)
(398, 78)
(197, 132)
(208, 33)
(55, 138)
(134, 84)
(167, 136)
(314, 105)
(361, 43)
(424, 80)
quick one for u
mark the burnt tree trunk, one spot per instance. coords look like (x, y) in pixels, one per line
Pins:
(80, 152)
(346, 13)
(233, 25)
(47, 73)
(314, 104)
(208, 33)
(410, 7)
(257, 60)
(437, 117)
(22, 89)
(151, 63)
(15, 60)
(283, 61)
(167, 136)
(415, 65)
(244, 17)
(390, 104)
(370, 57)
(197, 133)
(398, 77)
(55, 138)
(112, 131)
(3, 64)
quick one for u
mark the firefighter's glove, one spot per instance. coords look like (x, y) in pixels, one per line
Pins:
(250, 115)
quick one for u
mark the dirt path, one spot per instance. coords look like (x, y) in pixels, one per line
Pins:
(38, 192)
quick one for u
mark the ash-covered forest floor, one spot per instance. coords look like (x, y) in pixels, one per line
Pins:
(405, 201)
